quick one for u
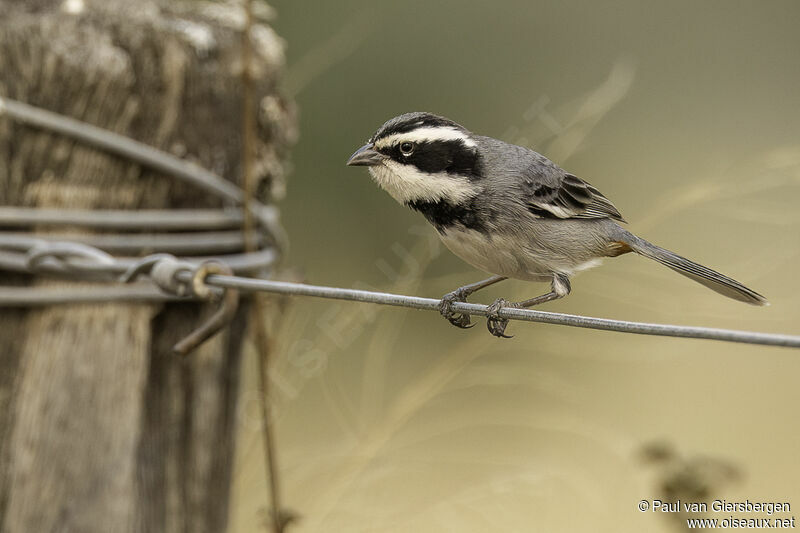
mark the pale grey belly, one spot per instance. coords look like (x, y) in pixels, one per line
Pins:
(513, 256)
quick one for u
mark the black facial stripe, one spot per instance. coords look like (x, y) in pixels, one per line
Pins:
(451, 156)
(443, 215)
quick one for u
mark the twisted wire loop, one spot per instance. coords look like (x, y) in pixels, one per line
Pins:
(184, 279)
(163, 270)
(72, 257)
(197, 235)
(204, 233)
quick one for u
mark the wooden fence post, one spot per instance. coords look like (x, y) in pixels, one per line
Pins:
(102, 429)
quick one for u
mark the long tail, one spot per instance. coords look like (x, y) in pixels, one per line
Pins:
(710, 278)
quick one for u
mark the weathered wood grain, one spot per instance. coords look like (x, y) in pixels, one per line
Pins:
(102, 428)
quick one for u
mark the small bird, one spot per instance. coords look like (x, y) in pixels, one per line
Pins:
(509, 211)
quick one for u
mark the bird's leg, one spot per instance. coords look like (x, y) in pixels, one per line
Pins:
(559, 288)
(460, 295)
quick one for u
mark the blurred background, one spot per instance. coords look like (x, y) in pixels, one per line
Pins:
(686, 116)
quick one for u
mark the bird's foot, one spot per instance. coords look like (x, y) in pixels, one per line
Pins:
(495, 324)
(459, 320)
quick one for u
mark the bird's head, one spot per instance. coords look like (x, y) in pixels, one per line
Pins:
(421, 157)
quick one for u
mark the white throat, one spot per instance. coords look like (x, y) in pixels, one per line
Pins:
(406, 183)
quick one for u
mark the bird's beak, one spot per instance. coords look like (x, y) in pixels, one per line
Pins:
(365, 157)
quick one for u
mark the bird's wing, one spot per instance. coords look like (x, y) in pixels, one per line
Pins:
(550, 192)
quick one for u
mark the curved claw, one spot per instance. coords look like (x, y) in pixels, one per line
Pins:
(495, 324)
(459, 320)
(497, 327)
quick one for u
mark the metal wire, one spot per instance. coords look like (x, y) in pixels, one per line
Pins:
(144, 155)
(241, 263)
(120, 145)
(105, 294)
(182, 243)
(79, 256)
(528, 315)
(119, 219)
(75, 259)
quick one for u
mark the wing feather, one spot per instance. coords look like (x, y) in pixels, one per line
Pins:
(563, 195)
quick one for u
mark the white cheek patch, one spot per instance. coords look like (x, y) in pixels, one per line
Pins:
(406, 183)
(441, 133)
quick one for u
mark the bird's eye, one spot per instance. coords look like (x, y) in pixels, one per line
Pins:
(406, 148)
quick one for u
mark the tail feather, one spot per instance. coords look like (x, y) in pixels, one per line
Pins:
(710, 278)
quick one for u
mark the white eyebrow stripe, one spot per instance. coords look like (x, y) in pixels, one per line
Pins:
(438, 133)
